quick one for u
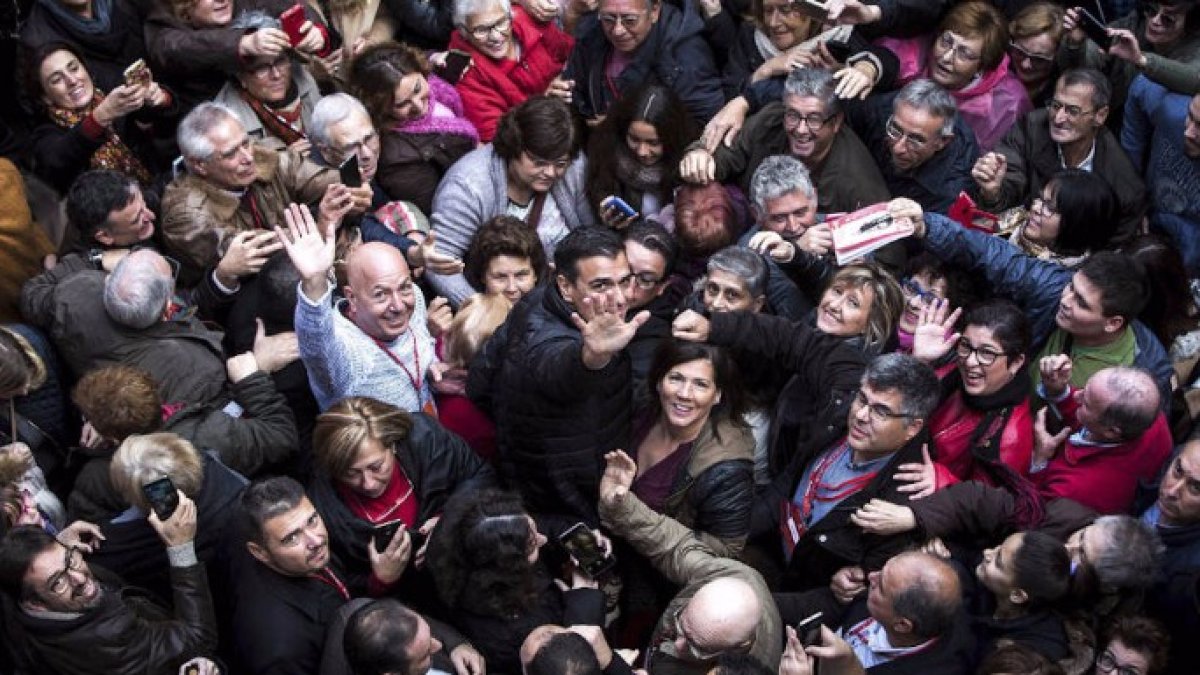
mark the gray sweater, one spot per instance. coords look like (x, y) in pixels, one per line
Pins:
(475, 190)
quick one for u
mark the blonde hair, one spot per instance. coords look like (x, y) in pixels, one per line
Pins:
(886, 305)
(20, 365)
(341, 431)
(475, 322)
(149, 457)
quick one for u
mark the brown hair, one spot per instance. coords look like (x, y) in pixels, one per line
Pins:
(503, 235)
(376, 71)
(475, 322)
(981, 20)
(119, 401)
(20, 365)
(1143, 635)
(149, 457)
(542, 126)
(341, 430)
(1036, 19)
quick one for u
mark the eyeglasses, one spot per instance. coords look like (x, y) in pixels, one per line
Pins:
(1074, 112)
(984, 355)
(814, 121)
(878, 413)
(1151, 10)
(675, 629)
(627, 21)
(914, 289)
(500, 27)
(960, 52)
(1039, 60)
(895, 134)
(279, 65)
(1043, 206)
(1108, 663)
(646, 280)
(59, 583)
(786, 10)
(556, 165)
(356, 147)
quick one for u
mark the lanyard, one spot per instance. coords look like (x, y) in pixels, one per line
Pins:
(327, 577)
(794, 522)
(414, 378)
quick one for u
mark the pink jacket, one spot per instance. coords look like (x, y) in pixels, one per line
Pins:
(989, 106)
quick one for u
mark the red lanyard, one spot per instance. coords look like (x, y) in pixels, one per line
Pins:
(794, 521)
(327, 577)
(414, 378)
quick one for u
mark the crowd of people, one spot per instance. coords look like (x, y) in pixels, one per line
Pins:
(478, 336)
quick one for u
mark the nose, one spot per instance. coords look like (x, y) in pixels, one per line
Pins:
(947, 56)
(435, 645)
(862, 414)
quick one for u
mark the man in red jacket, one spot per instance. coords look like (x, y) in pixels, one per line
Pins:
(1114, 436)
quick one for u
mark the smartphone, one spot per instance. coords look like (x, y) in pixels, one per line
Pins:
(384, 534)
(1095, 29)
(351, 175)
(809, 630)
(615, 202)
(418, 539)
(163, 497)
(457, 62)
(581, 543)
(291, 20)
(839, 50)
(138, 73)
(1054, 420)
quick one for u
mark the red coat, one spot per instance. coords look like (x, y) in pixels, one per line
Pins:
(491, 88)
(951, 427)
(1104, 478)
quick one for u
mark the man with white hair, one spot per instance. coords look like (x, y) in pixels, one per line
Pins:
(233, 185)
(724, 606)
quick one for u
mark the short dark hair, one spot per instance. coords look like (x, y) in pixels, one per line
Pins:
(17, 551)
(565, 654)
(277, 282)
(1008, 324)
(915, 381)
(1121, 281)
(265, 499)
(1042, 568)
(94, 195)
(1101, 87)
(378, 638)
(585, 242)
(930, 611)
(653, 236)
(503, 235)
(1088, 211)
(1018, 658)
(542, 126)
(1146, 636)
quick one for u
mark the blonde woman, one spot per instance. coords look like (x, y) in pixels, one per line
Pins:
(475, 322)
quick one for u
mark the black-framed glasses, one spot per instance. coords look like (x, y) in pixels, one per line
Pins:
(986, 356)
(878, 413)
(1107, 663)
(895, 133)
(481, 33)
(814, 121)
(73, 562)
(1074, 112)
(279, 65)
(1039, 60)
(647, 280)
(1043, 206)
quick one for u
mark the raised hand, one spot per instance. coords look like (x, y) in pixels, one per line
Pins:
(903, 208)
(935, 337)
(619, 472)
(247, 252)
(311, 252)
(988, 173)
(724, 127)
(816, 240)
(691, 326)
(426, 255)
(601, 321)
(180, 527)
(855, 81)
(1056, 375)
(698, 167)
(389, 565)
(773, 245)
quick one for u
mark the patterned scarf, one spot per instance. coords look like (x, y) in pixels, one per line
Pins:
(286, 126)
(113, 154)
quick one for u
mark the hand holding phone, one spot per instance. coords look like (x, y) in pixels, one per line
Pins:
(291, 21)
(622, 206)
(385, 533)
(581, 543)
(1095, 29)
(1054, 420)
(137, 74)
(163, 497)
(456, 64)
(351, 175)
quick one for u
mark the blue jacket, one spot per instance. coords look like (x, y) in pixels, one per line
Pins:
(1035, 285)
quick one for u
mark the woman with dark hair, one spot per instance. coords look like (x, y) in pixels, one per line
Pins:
(1133, 644)
(532, 171)
(84, 128)
(505, 258)
(1171, 311)
(1075, 215)
(928, 280)
(486, 560)
(634, 153)
(983, 428)
(419, 117)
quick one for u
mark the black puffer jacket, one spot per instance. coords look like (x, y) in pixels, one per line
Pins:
(555, 418)
(436, 461)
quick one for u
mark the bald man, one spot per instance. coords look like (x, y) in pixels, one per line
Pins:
(374, 342)
(724, 606)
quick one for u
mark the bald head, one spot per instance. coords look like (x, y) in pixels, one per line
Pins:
(380, 290)
(137, 292)
(1131, 397)
(916, 594)
(722, 615)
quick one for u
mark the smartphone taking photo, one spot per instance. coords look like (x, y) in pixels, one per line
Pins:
(163, 497)
(585, 550)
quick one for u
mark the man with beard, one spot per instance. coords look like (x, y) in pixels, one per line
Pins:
(66, 617)
(1067, 134)
(808, 125)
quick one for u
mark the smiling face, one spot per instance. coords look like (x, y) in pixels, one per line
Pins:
(783, 23)
(920, 291)
(410, 99)
(129, 224)
(211, 13)
(380, 294)
(59, 580)
(687, 394)
(1084, 124)
(1044, 221)
(845, 310)
(295, 542)
(981, 380)
(806, 143)
(66, 84)
(509, 276)
(490, 32)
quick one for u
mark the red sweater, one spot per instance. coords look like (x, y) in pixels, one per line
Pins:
(951, 428)
(490, 88)
(1104, 478)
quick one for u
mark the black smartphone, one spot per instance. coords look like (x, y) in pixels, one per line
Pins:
(1054, 420)
(1095, 29)
(584, 548)
(839, 50)
(418, 539)
(809, 630)
(350, 173)
(457, 62)
(384, 534)
(163, 497)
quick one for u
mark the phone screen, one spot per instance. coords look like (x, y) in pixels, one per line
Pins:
(385, 533)
(351, 176)
(162, 497)
(581, 543)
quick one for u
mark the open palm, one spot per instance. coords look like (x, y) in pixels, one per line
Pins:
(311, 252)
